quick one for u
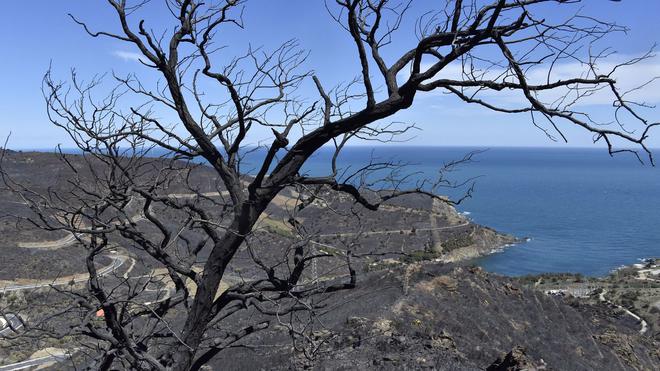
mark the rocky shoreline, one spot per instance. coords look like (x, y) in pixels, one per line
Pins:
(476, 241)
(485, 241)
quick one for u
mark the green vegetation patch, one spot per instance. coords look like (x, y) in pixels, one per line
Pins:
(457, 242)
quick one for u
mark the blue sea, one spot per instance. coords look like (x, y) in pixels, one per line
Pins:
(582, 210)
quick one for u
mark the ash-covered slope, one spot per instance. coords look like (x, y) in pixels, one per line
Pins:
(448, 317)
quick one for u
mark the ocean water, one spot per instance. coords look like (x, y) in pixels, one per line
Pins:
(582, 210)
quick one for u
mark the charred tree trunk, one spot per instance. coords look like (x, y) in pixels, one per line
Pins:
(183, 353)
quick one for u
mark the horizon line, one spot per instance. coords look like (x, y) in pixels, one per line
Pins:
(382, 145)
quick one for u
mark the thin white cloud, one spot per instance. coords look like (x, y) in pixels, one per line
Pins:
(628, 78)
(128, 56)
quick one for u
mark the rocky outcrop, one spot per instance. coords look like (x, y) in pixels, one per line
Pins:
(516, 360)
(475, 242)
(468, 242)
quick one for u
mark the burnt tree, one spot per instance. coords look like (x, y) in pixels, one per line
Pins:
(204, 107)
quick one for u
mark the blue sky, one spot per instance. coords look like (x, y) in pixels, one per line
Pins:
(41, 33)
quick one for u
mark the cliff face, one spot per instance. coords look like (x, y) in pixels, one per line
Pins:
(467, 243)
(478, 241)
(448, 317)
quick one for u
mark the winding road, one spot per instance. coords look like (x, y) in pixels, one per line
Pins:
(117, 261)
(394, 231)
(642, 322)
(41, 361)
(50, 245)
(11, 322)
